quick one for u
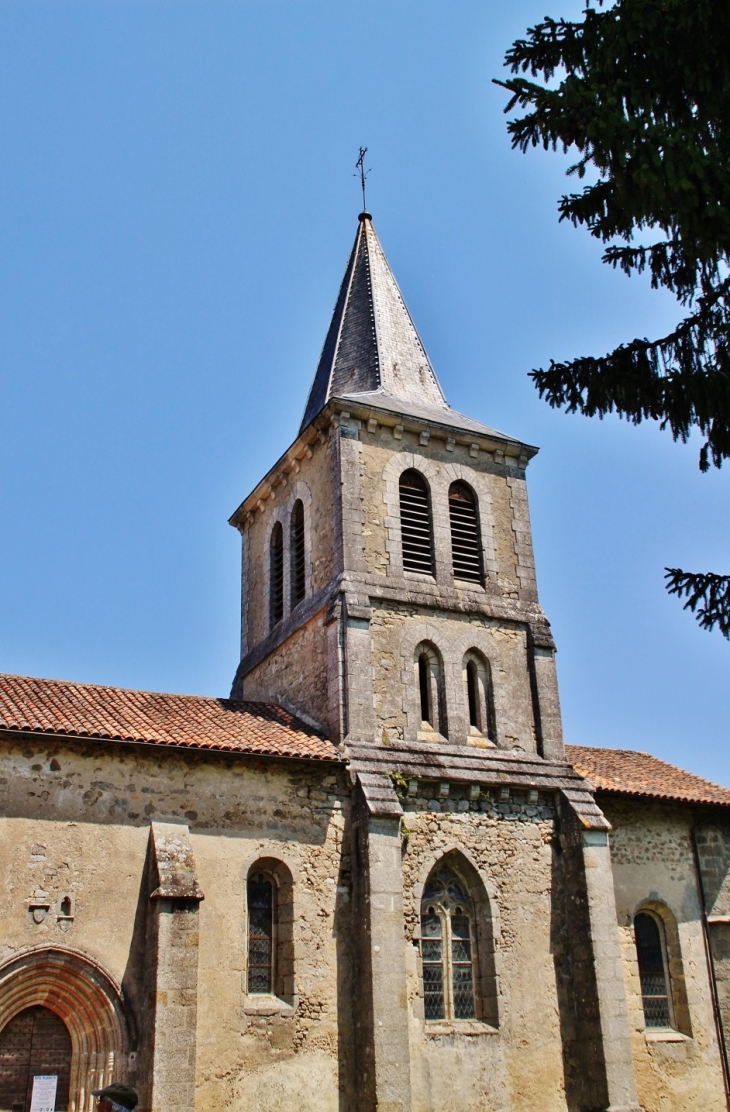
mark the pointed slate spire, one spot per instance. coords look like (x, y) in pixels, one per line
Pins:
(372, 347)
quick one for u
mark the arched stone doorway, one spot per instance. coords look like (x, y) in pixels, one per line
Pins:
(35, 1041)
(85, 1000)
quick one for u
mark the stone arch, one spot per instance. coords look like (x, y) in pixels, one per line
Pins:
(677, 986)
(476, 638)
(479, 483)
(89, 1002)
(417, 633)
(487, 923)
(284, 984)
(278, 516)
(429, 469)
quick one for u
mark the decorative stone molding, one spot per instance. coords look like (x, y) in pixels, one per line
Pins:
(89, 1002)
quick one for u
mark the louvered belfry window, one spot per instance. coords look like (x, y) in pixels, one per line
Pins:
(296, 553)
(466, 550)
(276, 575)
(415, 519)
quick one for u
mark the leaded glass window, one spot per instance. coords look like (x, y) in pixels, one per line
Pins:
(261, 922)
(652, 970)
(447, 947)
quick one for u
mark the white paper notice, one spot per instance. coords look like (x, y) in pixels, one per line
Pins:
(44, 1093)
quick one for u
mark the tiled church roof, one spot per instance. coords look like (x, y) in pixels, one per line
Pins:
(627, 772)
(146, 717)
(372, 352)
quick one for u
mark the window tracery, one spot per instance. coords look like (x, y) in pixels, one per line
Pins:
(448, 946)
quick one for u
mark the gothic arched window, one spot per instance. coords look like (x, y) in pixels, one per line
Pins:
(415, 523)
(653, 973)
(296, 553)
(430, 685)
(261, 926)
(448, 945)
(479, 696)
(466, 549)
(276, 575)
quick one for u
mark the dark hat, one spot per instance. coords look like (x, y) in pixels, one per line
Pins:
(120, 1094)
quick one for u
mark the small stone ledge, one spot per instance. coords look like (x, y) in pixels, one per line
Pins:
(657, 1035)
(472, 1028)
(173, 855)
(265, 1005)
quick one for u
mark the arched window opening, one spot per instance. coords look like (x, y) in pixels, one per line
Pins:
(448, 947)
(424, 685)
(296, 553)
(270, 941)
(653, 973)
(261, 926)
(472, 686)
(276, 574)
(466, 549)
(431, 700)
(415, 517)
(35, 1042)
(479, 696)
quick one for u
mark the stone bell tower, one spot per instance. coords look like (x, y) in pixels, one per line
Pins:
(388, 578)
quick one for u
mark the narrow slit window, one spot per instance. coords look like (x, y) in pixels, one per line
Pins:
(276, 574)
(424, 684)
(296, 553)
(466, 549)
(261, 917)
(415, 516)
(472, 691)
(479, 695)
(652, 971)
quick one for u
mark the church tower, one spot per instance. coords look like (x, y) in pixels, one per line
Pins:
(388, 586)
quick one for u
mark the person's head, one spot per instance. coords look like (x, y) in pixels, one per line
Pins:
(116, 1098)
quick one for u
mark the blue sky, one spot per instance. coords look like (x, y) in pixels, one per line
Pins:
(176, 209)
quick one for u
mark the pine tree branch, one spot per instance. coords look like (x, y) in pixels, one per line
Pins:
(708, 596)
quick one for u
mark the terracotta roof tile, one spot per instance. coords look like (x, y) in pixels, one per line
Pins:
(185, 721)
(627, 772)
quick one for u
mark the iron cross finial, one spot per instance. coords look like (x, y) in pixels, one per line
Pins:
(362, 173)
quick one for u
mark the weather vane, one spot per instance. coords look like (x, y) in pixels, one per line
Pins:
(362, 174)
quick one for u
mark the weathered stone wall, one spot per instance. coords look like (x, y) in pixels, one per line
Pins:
(503, 513)
(517, 1066)
(76, 820)
(296, 674)
(653, 867)
(312, 480)
(397, 630)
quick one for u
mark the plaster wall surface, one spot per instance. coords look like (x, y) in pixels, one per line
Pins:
(76, 820)
(653, 868)
(516, 1065)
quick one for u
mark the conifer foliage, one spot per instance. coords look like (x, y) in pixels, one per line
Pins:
(641, 90)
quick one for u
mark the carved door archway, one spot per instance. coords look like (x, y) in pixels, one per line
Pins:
(86, 1000)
